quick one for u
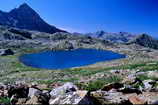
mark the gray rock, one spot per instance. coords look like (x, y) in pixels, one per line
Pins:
(73, 98)
(33, 92)
(67, 87)
(148, 84)
(37, 96)
(111, 97)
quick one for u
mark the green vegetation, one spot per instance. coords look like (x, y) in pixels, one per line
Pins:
(96, 85)
(150, 66)
(145, 66)
(57, 80)
(5, 101)
(143, 77)
(99, 83)
(12, 70)
(21, 67)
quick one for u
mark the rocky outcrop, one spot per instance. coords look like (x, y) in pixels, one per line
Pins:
(6, 34)
(25, 17)
(68, 87)
(65, 45)
(33, 92)
(73, 98)
(5, 52)
(23, 33)
(145, 40)
(114, 93)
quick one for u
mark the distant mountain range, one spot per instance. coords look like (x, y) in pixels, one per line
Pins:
(126, 38)
(120, 37)
(25, 17)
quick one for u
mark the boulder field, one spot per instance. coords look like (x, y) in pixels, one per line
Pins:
(130, 91)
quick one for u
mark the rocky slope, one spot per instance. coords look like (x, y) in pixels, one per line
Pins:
(145, 40)
(127, 38)
(18, 38)
(132, 90)
(25, 17)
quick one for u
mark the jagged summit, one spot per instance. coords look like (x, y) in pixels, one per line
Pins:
(24, 5)
(23, 9)
(24, 17)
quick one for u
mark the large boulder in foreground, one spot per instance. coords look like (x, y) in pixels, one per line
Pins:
(33, 92)
(69, 94)
(73, 98)
(67, 87)
(39, 98)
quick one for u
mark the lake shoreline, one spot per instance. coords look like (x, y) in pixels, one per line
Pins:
(74, 52)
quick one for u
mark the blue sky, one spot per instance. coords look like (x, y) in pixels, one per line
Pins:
(135, 16)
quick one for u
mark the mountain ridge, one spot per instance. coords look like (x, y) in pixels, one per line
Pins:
(24, 17)
(145, 40)
(120, 37)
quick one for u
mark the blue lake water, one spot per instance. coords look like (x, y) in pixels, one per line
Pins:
(68, 59)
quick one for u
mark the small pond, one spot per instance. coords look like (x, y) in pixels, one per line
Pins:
(68, 59)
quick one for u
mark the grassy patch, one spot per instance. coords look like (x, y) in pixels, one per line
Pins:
(98, 84)
(21, 67)
(45, 81)
(149, 67)
(87, 72)
(57, 80)
(143, 77)
(83, 72)
(5, 101)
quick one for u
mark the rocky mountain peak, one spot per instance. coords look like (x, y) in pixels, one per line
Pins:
(23, 9)
(143, 37)
(24, 17)
(24, 5)
(100, 33)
